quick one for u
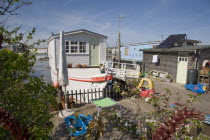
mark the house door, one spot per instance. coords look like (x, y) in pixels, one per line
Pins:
(181, 76)
(94, 52)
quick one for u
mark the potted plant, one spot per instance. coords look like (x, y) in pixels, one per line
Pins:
(84, 66)
(70, 65)
(79, 66)
(168, 79)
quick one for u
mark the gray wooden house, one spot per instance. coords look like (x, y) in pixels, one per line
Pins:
(176, 55)
(82, 47)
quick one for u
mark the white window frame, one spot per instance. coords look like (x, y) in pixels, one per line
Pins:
(74, 47)
(183, 57)
(83, 47)
(79, 47)
(67, 49)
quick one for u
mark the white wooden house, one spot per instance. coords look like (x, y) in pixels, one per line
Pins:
(82, 47)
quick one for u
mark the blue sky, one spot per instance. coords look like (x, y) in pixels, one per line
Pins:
(145, 20)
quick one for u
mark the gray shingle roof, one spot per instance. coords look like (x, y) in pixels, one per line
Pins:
(178, 49)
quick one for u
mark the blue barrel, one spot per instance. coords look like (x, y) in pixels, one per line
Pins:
(192, 76)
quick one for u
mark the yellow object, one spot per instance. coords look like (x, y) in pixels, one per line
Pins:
(204, 88)
(146, 83)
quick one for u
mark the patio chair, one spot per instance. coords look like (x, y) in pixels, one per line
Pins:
(104, 103)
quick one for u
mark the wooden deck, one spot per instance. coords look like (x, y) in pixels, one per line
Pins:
(130, 107)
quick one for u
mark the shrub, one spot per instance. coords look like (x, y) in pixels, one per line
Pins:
(79, 66)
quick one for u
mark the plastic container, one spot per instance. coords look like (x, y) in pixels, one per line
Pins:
(192, 76)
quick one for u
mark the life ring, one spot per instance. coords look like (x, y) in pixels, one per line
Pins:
(204, 64)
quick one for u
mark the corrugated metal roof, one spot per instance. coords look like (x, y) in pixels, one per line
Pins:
(178, 49)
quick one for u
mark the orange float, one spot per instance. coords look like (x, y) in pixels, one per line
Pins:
(56, 84)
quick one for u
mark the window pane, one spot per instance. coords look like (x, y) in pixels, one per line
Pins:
(82, 47)
(126, 51)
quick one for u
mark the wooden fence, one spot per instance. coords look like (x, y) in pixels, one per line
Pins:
(83, 96)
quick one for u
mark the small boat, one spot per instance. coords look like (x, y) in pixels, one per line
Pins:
(97, 78)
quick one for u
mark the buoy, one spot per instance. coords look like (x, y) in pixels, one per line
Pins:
(56, 84)
(205, 62)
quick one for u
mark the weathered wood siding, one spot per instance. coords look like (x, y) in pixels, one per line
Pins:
(81, 58)
(204, 55)
(167, 63)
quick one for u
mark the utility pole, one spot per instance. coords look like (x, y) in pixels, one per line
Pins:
(119, 42)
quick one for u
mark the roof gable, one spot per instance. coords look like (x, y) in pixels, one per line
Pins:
(79, 31)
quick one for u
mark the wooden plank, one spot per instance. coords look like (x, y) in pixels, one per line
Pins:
(84, 96)
(88, 95)
(103, 92)
(72, 93)
(95, 94)
(109, 92)
(91, 93)
(80, 93)
(99, 93)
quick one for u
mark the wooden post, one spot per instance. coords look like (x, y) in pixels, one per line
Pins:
(88, 95)
(95, 94)
(106, 91)
(84, 96)
(80, 94)
(103, 92)
(91, 93)
(76, 96)
(99, 92)
(109, 92)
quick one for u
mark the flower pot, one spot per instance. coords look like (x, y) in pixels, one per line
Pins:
(71, 105)
(168, 80)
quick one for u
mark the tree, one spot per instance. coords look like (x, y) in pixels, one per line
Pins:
(25, 100)
(10, 6)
